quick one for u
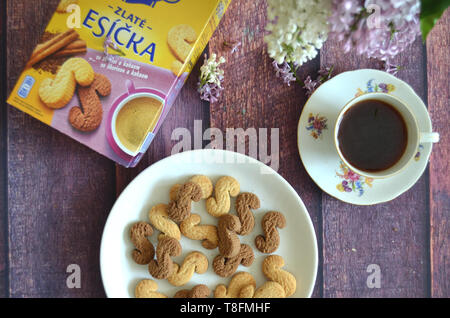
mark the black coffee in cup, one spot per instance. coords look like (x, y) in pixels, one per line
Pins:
(372, 135)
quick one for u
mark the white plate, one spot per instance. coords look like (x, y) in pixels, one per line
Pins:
(319, 155)
(298, 244)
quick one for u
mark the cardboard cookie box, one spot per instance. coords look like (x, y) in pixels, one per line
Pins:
(107, 72)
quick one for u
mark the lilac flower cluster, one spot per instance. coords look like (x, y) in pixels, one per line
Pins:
(285, 71)
(311, 85)
(376, 28)
(210, 92)
(211, 77)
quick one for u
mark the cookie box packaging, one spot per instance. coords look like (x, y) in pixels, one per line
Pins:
(106, 72)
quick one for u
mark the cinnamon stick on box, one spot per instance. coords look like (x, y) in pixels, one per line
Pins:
(79, 46)
(52, 46)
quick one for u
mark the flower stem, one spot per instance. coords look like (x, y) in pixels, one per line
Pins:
(294, 70)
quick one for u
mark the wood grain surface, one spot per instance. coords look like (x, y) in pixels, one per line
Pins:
(3, 161)
(55, 194)
(59, 192)
(438, 101)
(356, 237)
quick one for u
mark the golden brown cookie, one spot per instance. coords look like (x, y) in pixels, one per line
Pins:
(195, 262)
(147, 289)
(163, 266)
(271, 268)
(220, 204)
(89, 116)
(235, 288)
(229, 243)
(271, 240)
(225, 267)
(180, 209)
(159, 218)
(199, 291)
(247, 292)
(56, 93)
(203, 182)
(205, 233)
(245, 203)
(173, 194)
(144, 251)
(270, 290)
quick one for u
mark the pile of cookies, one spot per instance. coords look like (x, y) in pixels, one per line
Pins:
(176, 219)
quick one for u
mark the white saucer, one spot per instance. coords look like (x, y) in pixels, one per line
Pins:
(316, 144)
(298, 246)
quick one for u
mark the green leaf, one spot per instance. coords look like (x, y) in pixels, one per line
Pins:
(431, 11)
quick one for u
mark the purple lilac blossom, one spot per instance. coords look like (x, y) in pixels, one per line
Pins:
(284, 72)
(376, 28)
(310, 85)
(210, 92)
(391, 68)
(325, 73)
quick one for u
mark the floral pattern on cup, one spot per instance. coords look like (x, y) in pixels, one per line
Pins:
(316, 125)
(373, 87)
(419, 153)
(352, 182)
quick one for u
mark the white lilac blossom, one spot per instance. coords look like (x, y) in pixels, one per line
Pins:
(296, 29)
(211, 77)
(375, 28)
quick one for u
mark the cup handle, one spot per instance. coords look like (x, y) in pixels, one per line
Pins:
(432, 137)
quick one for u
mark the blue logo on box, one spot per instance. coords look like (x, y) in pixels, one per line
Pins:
(151, 3)
(26, 86)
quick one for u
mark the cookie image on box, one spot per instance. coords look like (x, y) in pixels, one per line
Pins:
(145, 49)
(89, 116)
(56, 93)
(180, 40)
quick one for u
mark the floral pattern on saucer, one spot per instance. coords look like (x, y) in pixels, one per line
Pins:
(316, 125)
(419, 153)
(352, 182)
(320, 157)
(373, 87)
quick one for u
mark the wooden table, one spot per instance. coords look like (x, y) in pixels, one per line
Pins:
(56, 194)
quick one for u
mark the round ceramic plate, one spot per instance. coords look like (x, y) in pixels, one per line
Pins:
(316, 143)
(298, 244)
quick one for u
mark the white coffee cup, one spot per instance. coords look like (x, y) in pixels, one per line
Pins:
(150, 135)
(415, 136)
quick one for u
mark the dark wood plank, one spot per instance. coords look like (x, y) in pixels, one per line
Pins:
(391, 235)
(255, 98)
(59, 193)
(187, 108)
(438, 98)
(3, 149)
